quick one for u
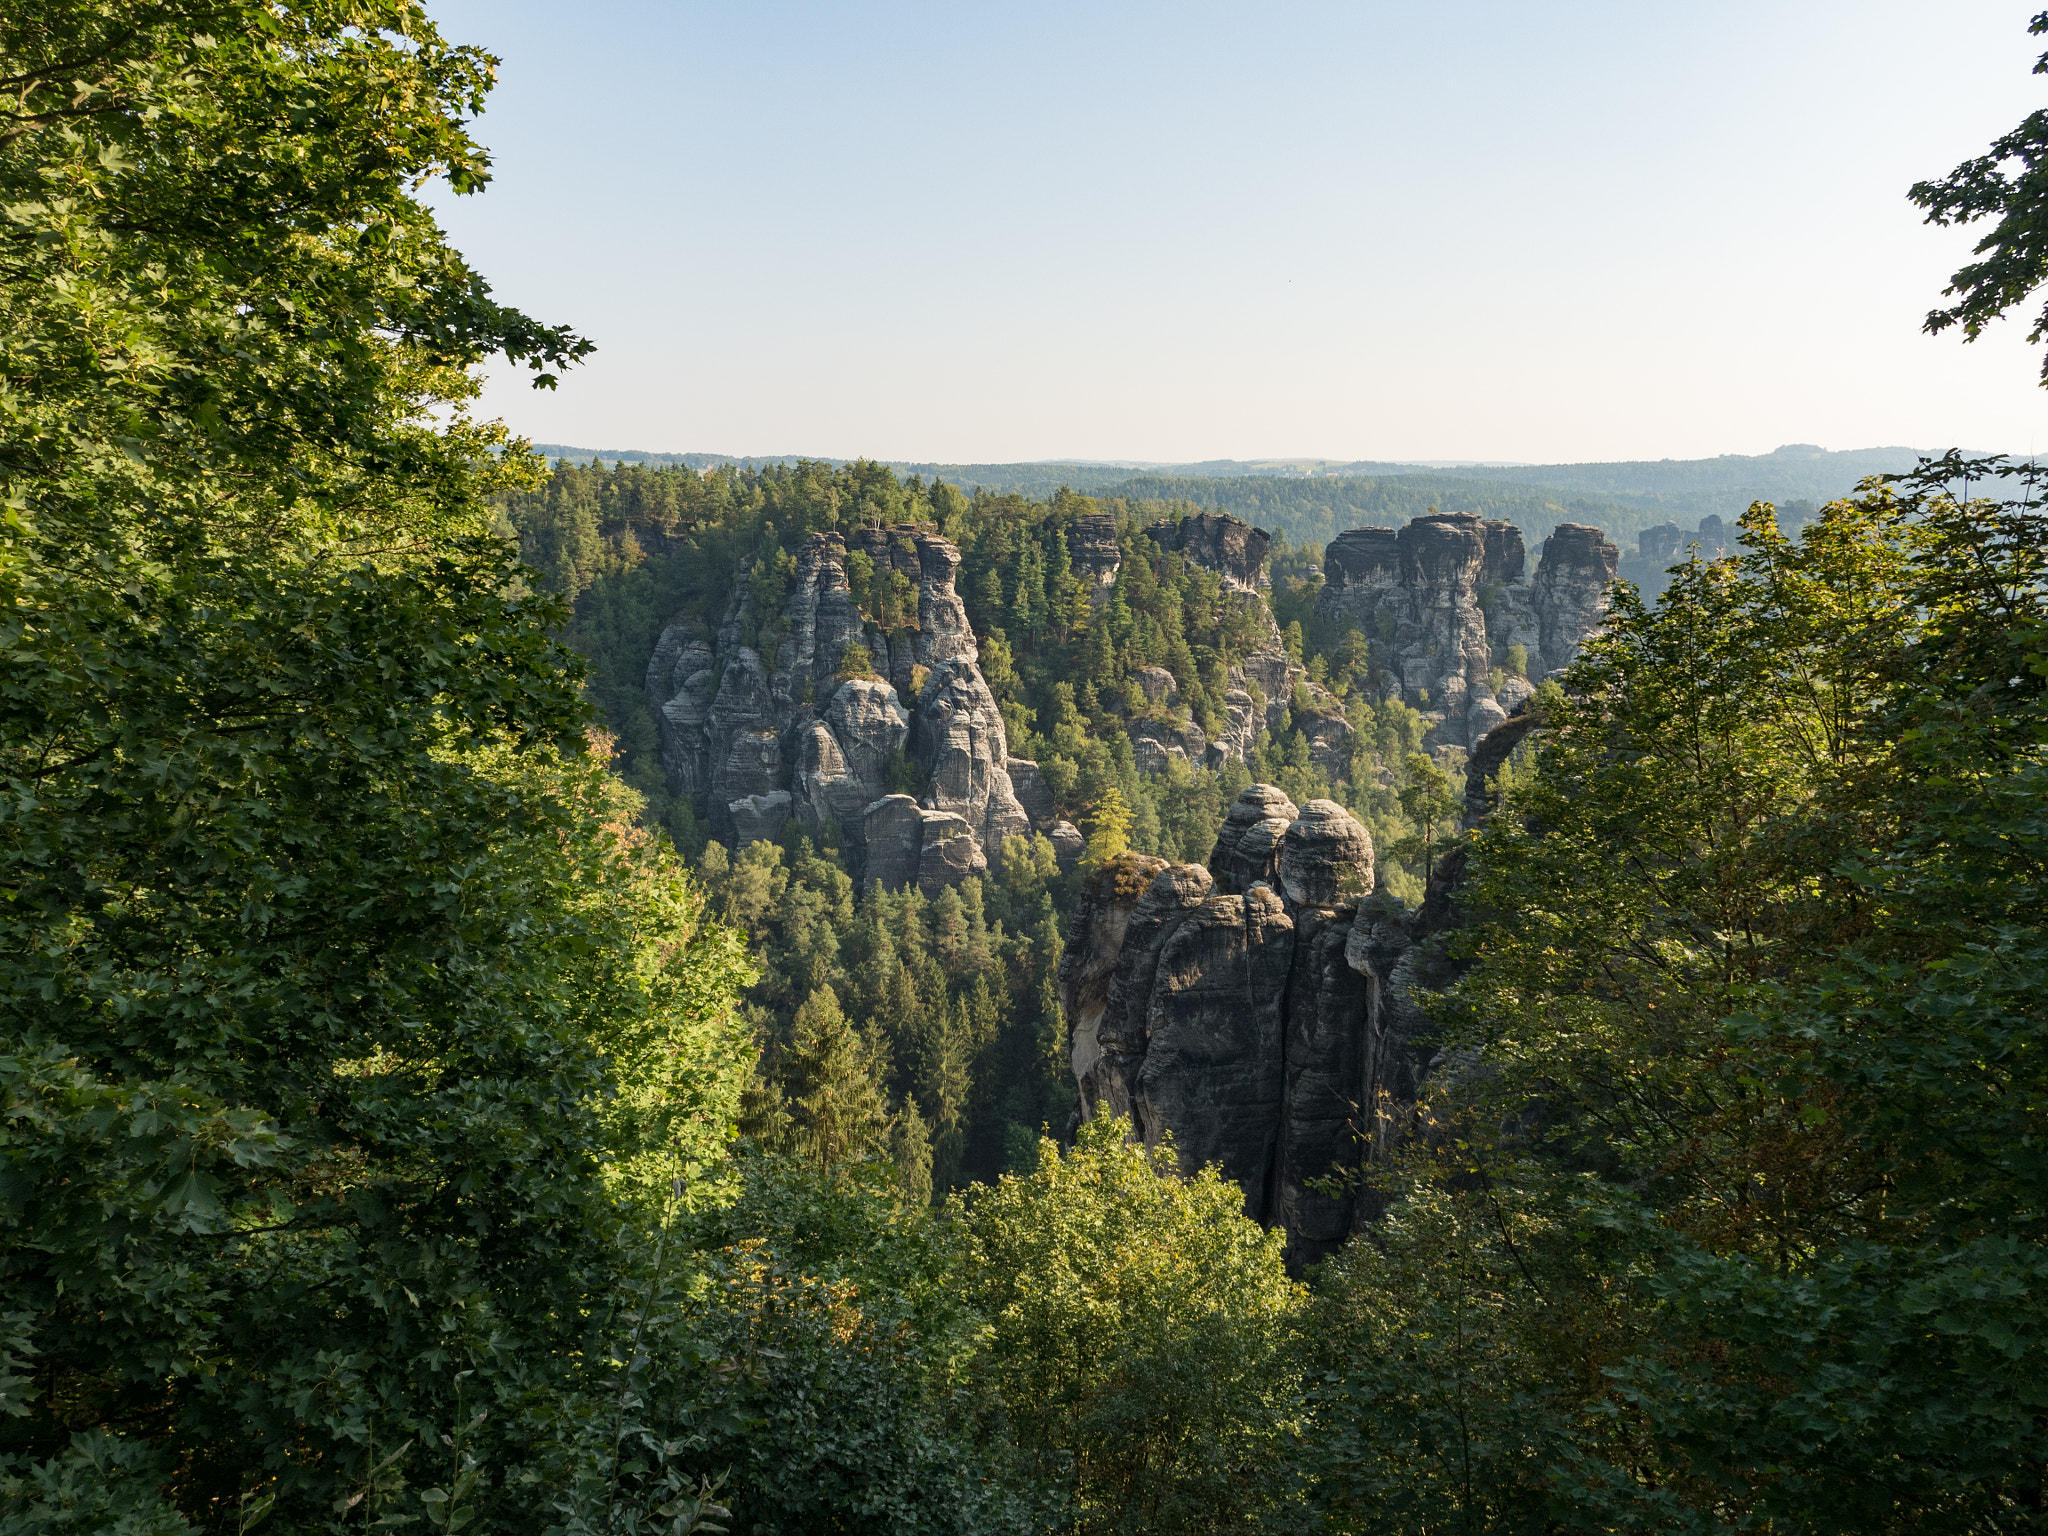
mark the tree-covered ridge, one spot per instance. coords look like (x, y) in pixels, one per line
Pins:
(950, 997)
(636, 547)
(1309, 500)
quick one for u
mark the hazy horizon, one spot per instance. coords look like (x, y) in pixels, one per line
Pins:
(1596, 233)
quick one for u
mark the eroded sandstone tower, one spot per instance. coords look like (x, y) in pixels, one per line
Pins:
(1260, 1010)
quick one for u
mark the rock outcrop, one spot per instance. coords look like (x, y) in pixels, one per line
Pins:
(1444, 601)
(1263, 1012)
(1093, 551)
(1222, 1007)
(1259, 688)
(802, 713)
(1666, 545)
(1247, 851)
(1571, 589)
(1233, 550)
(958, 744)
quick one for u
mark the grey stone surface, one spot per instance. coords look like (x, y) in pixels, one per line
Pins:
(1092, 548)
(1173, 893)
(1326, 857)
(1067, 844)
(1572, 590)
(1233, 550)
(1213, 1073)
(1482, 714)
(1156, 743)
(842, 760)
(959, 745)
(950, 853)
(1444, 598)
(1157, 684)
(759, 818)
(1324, 1122)
(1032, 792)
(742, 721)
(1095, 940)
(893, 835)
(1248, 844)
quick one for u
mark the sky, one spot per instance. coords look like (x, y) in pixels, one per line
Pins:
(1171, 232)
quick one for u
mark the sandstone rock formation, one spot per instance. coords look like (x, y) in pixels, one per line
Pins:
(1263, 1011)
(1092, 549)
(958, 743)
(1666, 545)
(1247, 850)
(774, 718)
(1259, 687)
(1571, 589)
(1444, 599)
(1233, 550)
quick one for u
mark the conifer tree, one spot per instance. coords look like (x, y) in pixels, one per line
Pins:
(1109, 829)
(911, 1146)
(839, 1112)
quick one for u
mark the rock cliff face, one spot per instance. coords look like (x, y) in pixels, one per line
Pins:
(758, 724)
(1660, 548)
(1260, 686)
(1096, 559)
(1233, 550)
(1570, 592)
(1445, 599)
(1259, 1011)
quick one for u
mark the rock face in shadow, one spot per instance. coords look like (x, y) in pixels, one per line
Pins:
(1327, 1014)
(1247, 850)
(1033, 793)
(1091, 546)
(1233, 550)
(1214, 1069)
(801, 713)
(1087, 969)
(1444, 599)
(1263, 1012)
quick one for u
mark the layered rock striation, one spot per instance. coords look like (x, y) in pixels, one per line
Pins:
(808, 712)
(1445, 602)
(1258, 1011)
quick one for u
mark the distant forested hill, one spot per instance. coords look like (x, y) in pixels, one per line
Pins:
(1312, 500)
(1797, 469)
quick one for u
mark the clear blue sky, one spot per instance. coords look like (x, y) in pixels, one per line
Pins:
(1109, 230)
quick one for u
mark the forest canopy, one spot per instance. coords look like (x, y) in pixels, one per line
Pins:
(409, 1115)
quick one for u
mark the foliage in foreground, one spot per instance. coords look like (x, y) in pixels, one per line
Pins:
(1141, 1332)
(1741, 1227)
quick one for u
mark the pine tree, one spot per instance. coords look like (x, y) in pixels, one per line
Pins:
(1109, 829)
(910, 1145)
(949, 932)
(839, 1112)
(947, 1081)
(984, 1017)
